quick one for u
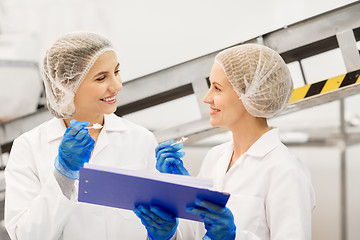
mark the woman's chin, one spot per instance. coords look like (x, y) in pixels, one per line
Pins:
(214, 123)
(110, 110)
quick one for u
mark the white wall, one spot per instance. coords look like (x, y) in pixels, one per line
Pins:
(151, 35)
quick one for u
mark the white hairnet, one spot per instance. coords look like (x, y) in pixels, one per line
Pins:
(259, 76)
(65, 66)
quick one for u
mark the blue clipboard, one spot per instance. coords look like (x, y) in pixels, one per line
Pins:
(119, 190)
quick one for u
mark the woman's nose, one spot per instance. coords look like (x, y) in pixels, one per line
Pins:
(207, 98)
(116, 84)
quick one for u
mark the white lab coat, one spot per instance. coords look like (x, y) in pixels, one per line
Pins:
(35, 207)
(271, 192)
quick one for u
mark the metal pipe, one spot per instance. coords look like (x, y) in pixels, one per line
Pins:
(302, 72)
(343, 173)
(350, 53)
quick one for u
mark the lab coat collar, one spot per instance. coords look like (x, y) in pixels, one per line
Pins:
(265, 144)
(259, 149)
(56, 127)
(113, 123)
(222, 165)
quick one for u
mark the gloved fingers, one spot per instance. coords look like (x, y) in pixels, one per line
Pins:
(75, 145)
(168, 155)
(172, 169)
(79, 165)
(178, 162)
(160, 161)
(90, 145)
(179, 166)
(160, 153)
(184, 172)
(141, 212)
(179, 154)
(151, 217)
(67, 144)
(212, 207)
(81, 134)
(74, 123)
(77, 151)
(86, 151)
(164, 161)
(170, 149)
(175, 169)
(164, 145)
(177, 146)
(87, 141)
(204, 214)
(170, 162)
(162, 213)
(137, 211)
(76, 127)
(145, 219)
(158, 223)
(206, 237)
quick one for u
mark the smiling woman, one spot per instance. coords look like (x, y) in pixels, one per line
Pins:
(225, 109)
(97, 93)
(271, 196)
(82, 80)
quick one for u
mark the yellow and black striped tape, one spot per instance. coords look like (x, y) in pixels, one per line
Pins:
(325, 86)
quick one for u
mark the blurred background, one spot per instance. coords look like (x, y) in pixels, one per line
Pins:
(166, 49)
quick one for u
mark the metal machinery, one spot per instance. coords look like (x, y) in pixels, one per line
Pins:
(327, 31)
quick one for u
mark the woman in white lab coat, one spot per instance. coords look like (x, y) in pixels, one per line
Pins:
(82, 80)
(271, 191)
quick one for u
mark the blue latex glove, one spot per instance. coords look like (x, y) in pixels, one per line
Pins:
(74, 150)
(219, 221)
(168, 158)
(159, 224)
